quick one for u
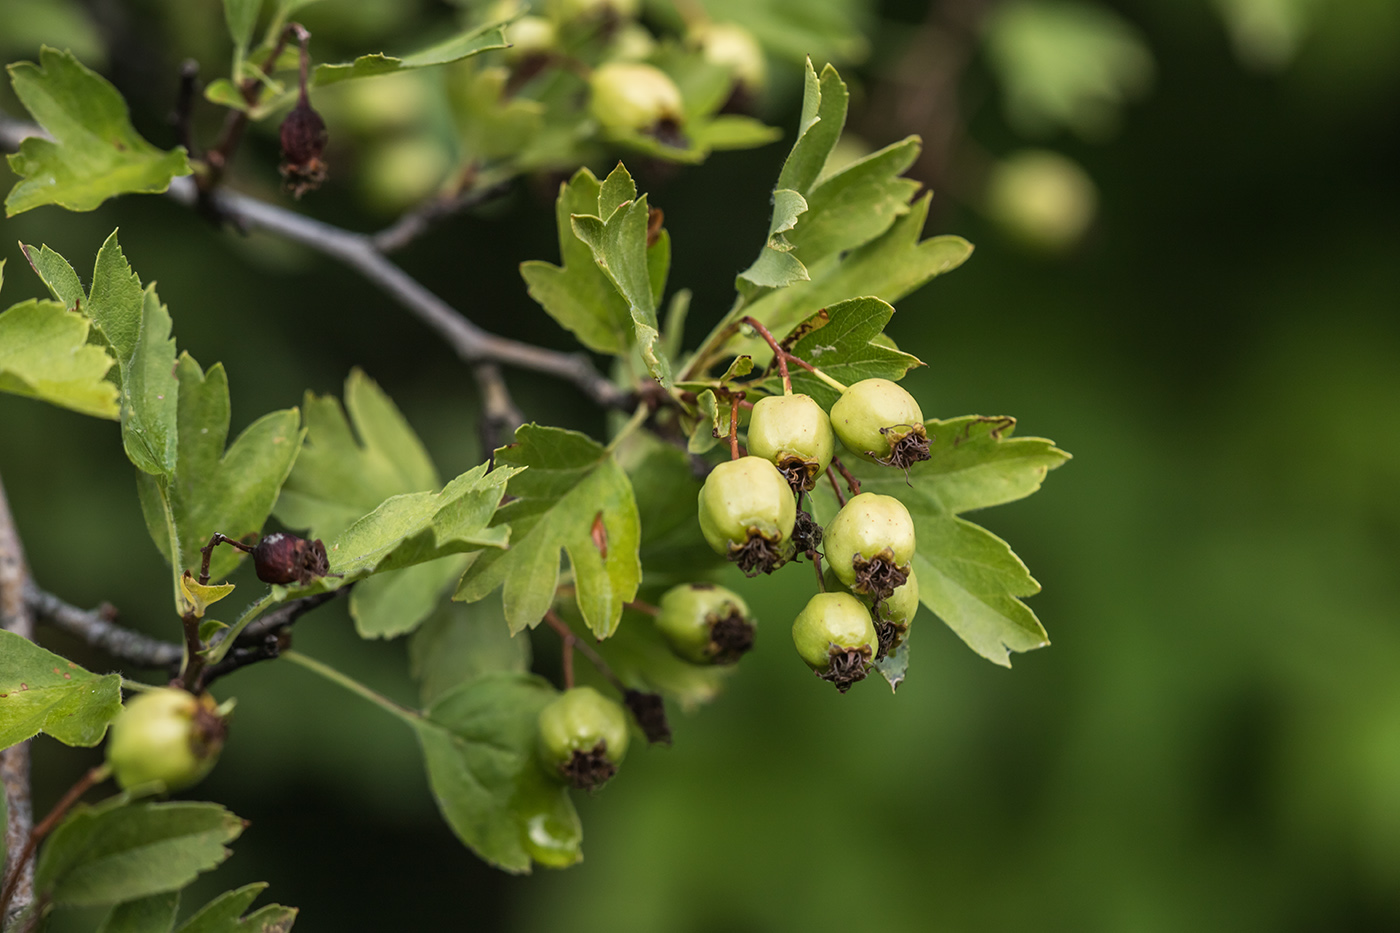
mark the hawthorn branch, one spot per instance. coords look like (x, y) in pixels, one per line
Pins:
(14, 761)
(359, 251)
(100, 629)
(418, 221)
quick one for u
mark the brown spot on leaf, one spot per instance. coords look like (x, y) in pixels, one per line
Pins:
(655, 218)
(600, 535)
(67, 676)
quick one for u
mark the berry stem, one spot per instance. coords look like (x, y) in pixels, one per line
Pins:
(567, 662)
(639, 606)
(208, 552)
(217, 651)
(571, 640)
(92, 777)
(779, 353)
(410, 716)
(838, 386)
(193, 665)
(836, 487)
(852, 483)
(816, 560)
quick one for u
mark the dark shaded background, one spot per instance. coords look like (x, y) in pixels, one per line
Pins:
(1212, 742)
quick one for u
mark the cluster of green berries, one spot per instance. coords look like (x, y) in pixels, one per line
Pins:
(749, 512)
(626, 93)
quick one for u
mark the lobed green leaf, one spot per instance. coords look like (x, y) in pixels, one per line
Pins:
(212, 489)
(152, 914)
(968, 576)
(479, 745)
(42, 692)
(472, 42)
(571, 495)
(95, 153)
(116, 852)
(45, 355)
(617, 238)
(224, 914)
(461, 642)
(846, 341)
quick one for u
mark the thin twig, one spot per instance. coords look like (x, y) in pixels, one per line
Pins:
(734, 426)
(567, 634)
(356, 250)
(418, 221)
(499, 414)
(183, 115)
(852, 483)
(836, 488)
(14, 761)
(99, 629)
(470, 342)
(779, 354)
(93, 776)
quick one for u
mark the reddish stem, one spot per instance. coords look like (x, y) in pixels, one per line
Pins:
(779, 353)
(836, 487)
(639, 606)
(852, 483)
(571, 640)
(93, 776)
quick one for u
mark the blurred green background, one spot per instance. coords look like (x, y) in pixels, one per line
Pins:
(1213, 740)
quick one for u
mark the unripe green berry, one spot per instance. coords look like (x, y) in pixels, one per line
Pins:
(899, 609)
(834, 634)
(880, 422)
(747, 511)
(530, 35)
(636, 97)
(583, 737)
(731, 46)
(166, 736)
(705, 624)
(870, 543)
(793, 433)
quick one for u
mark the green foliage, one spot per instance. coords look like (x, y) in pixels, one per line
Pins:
(610, 222)
(460, 642)
(847, 342)
(95, 154)
(417, 527)
(346, 469)
(224, 914)
(568, 493)
(212, 489)
(118, 851)
(578, 294)
(152, 914)
(479, 745)
(44, 354)
(472, 42)
(968, 576)
(42, 692)
(135, 328)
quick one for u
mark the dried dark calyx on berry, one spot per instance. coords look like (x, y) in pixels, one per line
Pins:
(836, 637)
(806, 533)
(880, 422)
(870, 544)
(705, 624)
(747, 512)
(303, 142)
(283, 559)
(583, 737)
(794, 434)
(168, 737)
(893, 615)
